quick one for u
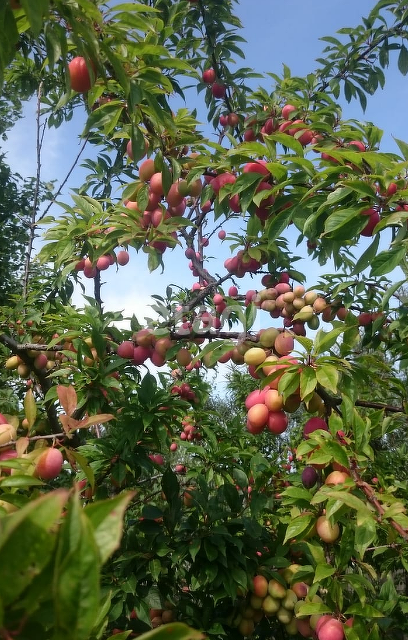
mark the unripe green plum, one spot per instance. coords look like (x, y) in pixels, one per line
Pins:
(248, 613)
(292, 403)
(271, 605)
(289, 600)
(255, 602)
(284, 616)
(326, 531)
(268, 336)
(288, 572)
(276, 589)
(291, 628)
(246, 627)
(310, 297)
(313, 323)
(307, 313)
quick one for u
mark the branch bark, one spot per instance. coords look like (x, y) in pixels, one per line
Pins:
(371, 497)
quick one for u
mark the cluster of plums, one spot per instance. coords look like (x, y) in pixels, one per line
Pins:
(282, 597)
(90, 268)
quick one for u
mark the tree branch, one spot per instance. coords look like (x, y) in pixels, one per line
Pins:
(371, 497)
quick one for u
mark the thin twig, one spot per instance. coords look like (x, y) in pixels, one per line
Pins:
(50, 436)
(33, 224)
(65, 180)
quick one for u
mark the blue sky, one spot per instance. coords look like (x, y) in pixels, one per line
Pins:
(276, 32)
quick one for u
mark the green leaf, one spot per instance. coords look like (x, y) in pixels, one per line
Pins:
(288, 383)
(173, 631)
(151, 512)
(194, 547)
(306, 343)
(251, 313)
(210, 550)
(27, 541)
(215, 349)
(328, 376)
(106, 518)
(403, 60)
(359, 429)
(386, 261)
(350, 500)
(35, 13)
(297, 526)
(325, 340)
(298, 493)
(55, 42)
(105, 117)
(288, 141)
(308, 381)
(83, 464)
(240, 477)
(367, 257)
(147, 389)
(170, 486)
(278, 223)
(364, 534)
(155, 568)
(366, 611)
(344, 224)
(335, 196)
(337, 451)
(76, 589)
(20, 481)
(312, 608)
(403, 147)
(361, 187)
(10, 36)
(390, 292)
(323, 571)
